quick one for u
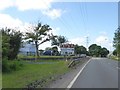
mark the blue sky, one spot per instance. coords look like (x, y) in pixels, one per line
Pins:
(75, 20)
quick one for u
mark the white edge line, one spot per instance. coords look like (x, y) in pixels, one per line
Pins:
(74, 79)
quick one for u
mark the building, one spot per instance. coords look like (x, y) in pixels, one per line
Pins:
(27, 49)
(67, 49)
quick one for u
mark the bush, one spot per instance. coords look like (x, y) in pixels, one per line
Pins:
(5, 66)
(9, 66)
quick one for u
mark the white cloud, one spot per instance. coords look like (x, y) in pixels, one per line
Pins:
(14, 23)
(78, 40)
(11, 22)
(8, 21)
(6, 3)
(53, 13)
(33, 4)
(101, 39)
(104, 41)
(26, 4)
(43, 5)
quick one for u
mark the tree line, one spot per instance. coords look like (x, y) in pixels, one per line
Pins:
(12, 40)
(93, 50)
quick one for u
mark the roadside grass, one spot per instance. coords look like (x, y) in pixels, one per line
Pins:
(1, 80)
(114, 58)
(32, 72)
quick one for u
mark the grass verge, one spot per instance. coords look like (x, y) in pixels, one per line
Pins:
(32, 72)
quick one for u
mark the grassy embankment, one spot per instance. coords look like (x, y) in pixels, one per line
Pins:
(31, 72)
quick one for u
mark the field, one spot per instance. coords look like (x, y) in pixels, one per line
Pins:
(33, 71)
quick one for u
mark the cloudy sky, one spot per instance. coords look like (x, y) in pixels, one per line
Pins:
(75, 20)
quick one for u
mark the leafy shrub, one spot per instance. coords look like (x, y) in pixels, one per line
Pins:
(5, 66)
(9, 66)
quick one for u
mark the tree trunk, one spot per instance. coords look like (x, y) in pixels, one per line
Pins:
(36, 44)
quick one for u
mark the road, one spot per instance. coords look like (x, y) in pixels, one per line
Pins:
(98, 73)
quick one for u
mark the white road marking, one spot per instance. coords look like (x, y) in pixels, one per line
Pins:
(72, 82)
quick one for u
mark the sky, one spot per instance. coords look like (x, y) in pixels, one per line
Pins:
(74, 20)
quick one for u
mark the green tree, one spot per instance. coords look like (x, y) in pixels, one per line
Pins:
(80, 49)
(15, 43)
(92, 49)
(5, 42)
(11, 42)
(104, 52)
(38, 35)
(96, 50)
(116, 41)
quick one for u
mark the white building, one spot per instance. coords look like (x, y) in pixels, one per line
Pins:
(67, 49)
(28, 49)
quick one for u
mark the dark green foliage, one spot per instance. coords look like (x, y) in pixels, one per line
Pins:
(116, 42)
(95, 50)
(80, 50)
(11, 41)
(5, 66)
(5, 42)
(104, 52)
(115, 52)
(15, 43)
(58, 40)
(9, 66)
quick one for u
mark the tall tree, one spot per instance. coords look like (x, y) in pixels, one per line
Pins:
(39, 35)
(116, 41)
